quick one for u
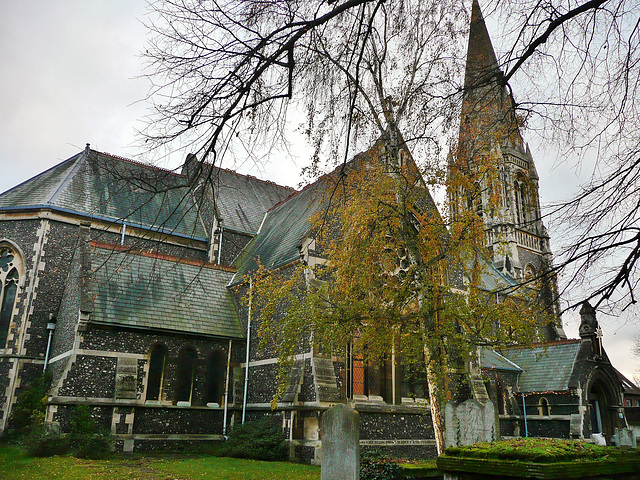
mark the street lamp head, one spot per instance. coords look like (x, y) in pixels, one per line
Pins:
(51, 324)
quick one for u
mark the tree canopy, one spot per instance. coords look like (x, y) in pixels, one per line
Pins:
(226, 72)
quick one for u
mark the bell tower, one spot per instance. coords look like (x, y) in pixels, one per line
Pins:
(491, 148)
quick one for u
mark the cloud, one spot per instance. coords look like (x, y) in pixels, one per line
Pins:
(67, 79)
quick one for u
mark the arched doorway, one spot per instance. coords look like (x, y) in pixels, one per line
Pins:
(601, 399)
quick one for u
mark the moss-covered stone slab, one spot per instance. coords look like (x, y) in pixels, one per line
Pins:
(420, 470)
(552, 471)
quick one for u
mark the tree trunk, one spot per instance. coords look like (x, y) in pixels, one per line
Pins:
(432, 362)
(435, 395)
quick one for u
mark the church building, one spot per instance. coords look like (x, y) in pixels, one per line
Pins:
(118, 278)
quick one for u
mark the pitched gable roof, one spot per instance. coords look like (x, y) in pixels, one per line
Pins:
(284, 229)
(99, 185)
(243, 200)
(546, 367)
(288, 224)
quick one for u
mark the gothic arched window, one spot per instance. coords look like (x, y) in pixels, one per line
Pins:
(10, 266)
(157, 362)
(474, 199)
(215, 377)
(186, 374)
(529, 272)
(543, 407)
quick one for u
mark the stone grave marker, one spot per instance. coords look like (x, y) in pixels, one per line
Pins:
(340, 444)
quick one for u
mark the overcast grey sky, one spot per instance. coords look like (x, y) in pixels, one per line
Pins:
(68, 77)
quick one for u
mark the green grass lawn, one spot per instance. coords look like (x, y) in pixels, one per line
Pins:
(14, 464)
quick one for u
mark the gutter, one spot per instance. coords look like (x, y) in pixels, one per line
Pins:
(104, 219)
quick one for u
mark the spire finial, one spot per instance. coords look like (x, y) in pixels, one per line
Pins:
(588, 324)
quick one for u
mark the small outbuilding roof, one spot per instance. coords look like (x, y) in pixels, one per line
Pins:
(545, 367)
(146, 291)
(490, 359)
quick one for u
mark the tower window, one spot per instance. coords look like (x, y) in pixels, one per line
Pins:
(474, 199)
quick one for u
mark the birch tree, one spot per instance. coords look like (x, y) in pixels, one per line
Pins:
(394, 277)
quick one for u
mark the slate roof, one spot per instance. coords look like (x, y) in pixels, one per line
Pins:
(284, 229)
(545, 367)
(138, 291)
(242, 201)
(491, 359)
(288, 224)
(493, 279)
(110, 188)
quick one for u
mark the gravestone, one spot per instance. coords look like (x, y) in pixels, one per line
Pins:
(340, 444)
(469, 422)
(624, 437)
(575, 426)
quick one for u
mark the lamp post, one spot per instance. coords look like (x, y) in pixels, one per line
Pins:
(51, 326)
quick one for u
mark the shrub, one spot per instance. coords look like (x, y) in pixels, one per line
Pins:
(46, 441)
(94, 446)
(374, 466)
(29, 410)
(87, 440)
(81, 423)
(258, 440)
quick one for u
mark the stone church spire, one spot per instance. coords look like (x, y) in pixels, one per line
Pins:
(488, 114)
(490, 140)
(481, 58)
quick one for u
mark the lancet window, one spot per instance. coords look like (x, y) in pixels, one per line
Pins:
(10, 268)
(215, 377)
(186, 373)
(157, 363)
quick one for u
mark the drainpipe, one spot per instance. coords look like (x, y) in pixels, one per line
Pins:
(51, 326)
(226, 394)
(524, 411)
(220, 244)
(246, 363)
(524, 406)
(124, 232)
